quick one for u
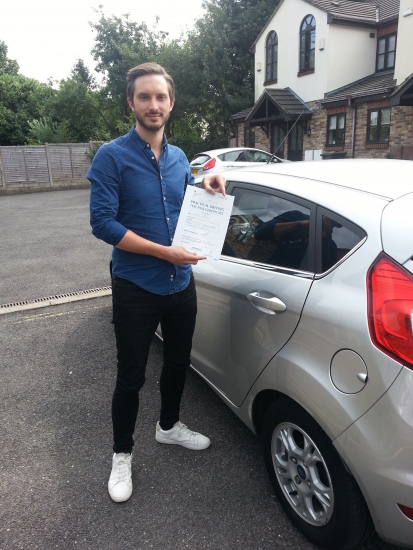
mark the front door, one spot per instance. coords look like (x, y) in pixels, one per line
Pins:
(250, 302)
(295, 143)
(277, 140)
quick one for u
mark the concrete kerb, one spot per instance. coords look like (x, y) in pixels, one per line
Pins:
(41, 189)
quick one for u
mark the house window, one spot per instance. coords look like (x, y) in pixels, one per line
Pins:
(378, 125)
(336, 129)
(271, 56)
(249, 137)
(386, 52)
(307, 44)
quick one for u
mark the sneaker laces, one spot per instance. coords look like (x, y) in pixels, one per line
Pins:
(184, 429)
(122, 469)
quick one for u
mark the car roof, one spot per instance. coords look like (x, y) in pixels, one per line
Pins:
(385, 178)
(215, 152)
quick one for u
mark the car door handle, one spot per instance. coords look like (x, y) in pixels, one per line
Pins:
(273, 304)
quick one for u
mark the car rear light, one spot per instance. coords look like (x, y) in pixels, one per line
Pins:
(390, 309)
(408, 512)
(210, 164)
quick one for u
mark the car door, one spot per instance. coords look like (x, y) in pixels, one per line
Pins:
(250, 302)
(233, 159)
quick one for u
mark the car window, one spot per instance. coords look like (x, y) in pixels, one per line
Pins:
(338, 238)
(199, 160)
(258, 156)
(233, 156)
(268, 229)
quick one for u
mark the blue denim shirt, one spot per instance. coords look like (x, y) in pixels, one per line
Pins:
(130, 190)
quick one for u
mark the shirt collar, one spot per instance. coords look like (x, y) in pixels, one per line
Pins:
(141, 142)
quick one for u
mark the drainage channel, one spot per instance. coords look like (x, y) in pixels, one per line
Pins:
(56, 300)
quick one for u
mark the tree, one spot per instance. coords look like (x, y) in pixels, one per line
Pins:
(220, 56)
(45, 130)
(83, 109)
(7, 66)
(81, 73)
(21, 100)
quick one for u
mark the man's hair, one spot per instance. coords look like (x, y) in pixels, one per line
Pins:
(147, 69)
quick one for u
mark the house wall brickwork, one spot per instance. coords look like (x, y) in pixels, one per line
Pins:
(401, 128)
(261, 139)
(401, 132)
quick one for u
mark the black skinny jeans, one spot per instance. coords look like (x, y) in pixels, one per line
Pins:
(136, 315)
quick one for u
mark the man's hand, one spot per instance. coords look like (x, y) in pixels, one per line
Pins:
(178, 255)
(214, 183)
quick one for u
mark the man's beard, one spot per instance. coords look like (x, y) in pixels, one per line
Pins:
(155, 127)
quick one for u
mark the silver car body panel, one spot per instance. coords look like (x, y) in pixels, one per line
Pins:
(372, 176)
(398, 222)
(356, 203)
(301, 369)
(234, 339)
(378, 449)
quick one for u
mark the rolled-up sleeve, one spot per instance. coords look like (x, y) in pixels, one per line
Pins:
(105, 181)
(265, 231)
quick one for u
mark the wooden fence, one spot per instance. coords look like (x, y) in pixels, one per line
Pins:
(52, 165)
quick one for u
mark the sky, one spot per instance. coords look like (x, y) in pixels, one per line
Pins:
(46, 37)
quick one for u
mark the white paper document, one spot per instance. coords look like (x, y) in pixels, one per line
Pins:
(203, 222)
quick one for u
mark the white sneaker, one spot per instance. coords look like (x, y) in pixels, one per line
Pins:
(120, 481)
(182, 435)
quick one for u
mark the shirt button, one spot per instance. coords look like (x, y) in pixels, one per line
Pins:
(153, 158)
(167, 219)
(172, 277)
(147, 145)
(164, 198)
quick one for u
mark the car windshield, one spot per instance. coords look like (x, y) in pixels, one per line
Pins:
(199, 160)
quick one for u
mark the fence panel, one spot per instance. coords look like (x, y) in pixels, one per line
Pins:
(80, 159)
(31, 165)
(36, 164)
(14, 164)
(61, 161)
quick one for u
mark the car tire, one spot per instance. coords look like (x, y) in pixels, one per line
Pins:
(312, 483)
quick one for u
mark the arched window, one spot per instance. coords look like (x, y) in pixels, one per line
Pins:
(271, 57)
(307, 44)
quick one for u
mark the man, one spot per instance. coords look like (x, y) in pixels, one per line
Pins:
(137, 187)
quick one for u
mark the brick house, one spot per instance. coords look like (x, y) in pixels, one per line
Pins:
(336, 77)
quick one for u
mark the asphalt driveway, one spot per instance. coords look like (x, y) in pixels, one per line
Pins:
(46, 246)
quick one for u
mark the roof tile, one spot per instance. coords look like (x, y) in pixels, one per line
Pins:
(377, 83)
(369, 11)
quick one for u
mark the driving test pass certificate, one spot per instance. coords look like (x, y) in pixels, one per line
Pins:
(203, 222)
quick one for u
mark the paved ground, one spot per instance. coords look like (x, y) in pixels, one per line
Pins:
(46, 246)
(57, 374)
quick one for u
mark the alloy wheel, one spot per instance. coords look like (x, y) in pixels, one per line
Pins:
(302, 474)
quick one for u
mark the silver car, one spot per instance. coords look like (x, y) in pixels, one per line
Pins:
(305, 330)
(219, 160)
